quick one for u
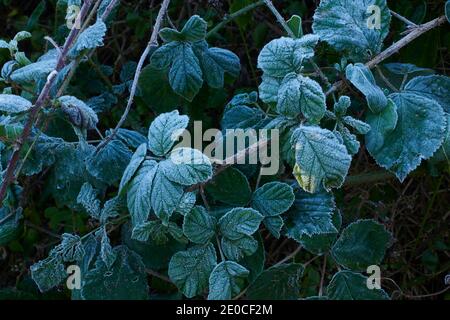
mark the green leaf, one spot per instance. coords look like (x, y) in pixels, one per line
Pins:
(277, 283)
(135, 162)
(381, 125)
(9, 225)
(186, 203)
(78, 112)
(273, 199)
(347, 285)
(434, 87)
(140, 191)
(310, 215)
(215, 62)
(109, 164)
(231, 187)
(90, 38)
(319, 244)
(156, 90)
(13, 104)
(88, 199)
(443, 154)
(362, 244)
(295, 24)
(344, 24)
(224, 280)
(165, 196)
(33, 72)
(194, 29)
(107, 254)
(198, 225)
(360, 126)
(418, 135)
(239, 222)
(239, 248)
(155, 255)
(268, 89)
(187, 167)
(190, 270)
(48, 273)
(362, 78)
(284, 55)
(125, 280)
(164, 131)
(274, 225)
(185, 74)
(241, 117)
(22, 35)
(321, 159)
(255, 261)
(301, 94)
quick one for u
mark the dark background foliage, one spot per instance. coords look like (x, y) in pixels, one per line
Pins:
(416, 212)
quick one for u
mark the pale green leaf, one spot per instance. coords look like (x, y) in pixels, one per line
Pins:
(347, 285)
(321, 159)
(135, 162)
(164, 131)
(362, 244)
(13, 104)
(273, 199)
(199, 225)
(190, 270)
(224, 280)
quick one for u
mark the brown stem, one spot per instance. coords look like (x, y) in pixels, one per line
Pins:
(152, 43)
(9, 176)
(412, 35)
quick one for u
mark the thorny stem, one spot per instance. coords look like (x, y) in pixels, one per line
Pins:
(414, 34)
(151, 44)
(9, 176)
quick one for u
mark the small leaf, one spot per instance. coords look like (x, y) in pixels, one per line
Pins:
(194, 29)
(241, 117)
(310, 215)
(284, 55)
(362, 78)
(165, 196)
(190, 270)
(230, 187)
(33, 72)
(361, 244)
(239, 222)
(277, 283)
(223, 280)
(295, 24)
(22, 35)
(90, 38)
(381, 125)
(88, 199)
(106, 251)
(239, 248)
(135, 162)
(164, 131)
(300, 94)
(186, 204)
(268, 89)
(347, 285)
(274, 225)
(140, 191)
(48, 273)
(273, 199)
(215, 62)
(199, 226)
(109, 164)
(13, 104)
(321, 159)
(187, 167)
(360, 126)
(78, 112)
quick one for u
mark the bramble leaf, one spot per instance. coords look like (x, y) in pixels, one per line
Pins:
(13, 104)
(224, 279)
(198, 225)
(347, 285)
(190, 270)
